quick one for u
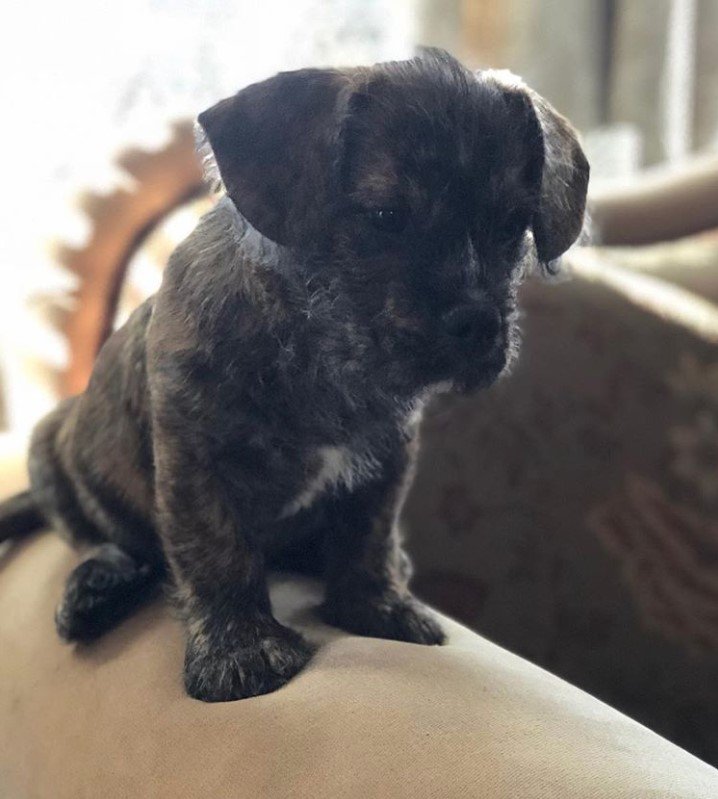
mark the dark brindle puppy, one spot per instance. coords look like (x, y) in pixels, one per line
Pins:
(368, 253)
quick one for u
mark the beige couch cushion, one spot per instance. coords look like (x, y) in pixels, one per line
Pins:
(367, 718)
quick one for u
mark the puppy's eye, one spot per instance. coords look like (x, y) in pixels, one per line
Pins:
(389, 220)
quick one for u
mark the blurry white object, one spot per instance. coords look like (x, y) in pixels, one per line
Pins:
(614, 151)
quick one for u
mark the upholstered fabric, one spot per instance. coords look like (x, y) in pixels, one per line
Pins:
(366, 719)
(569, 513)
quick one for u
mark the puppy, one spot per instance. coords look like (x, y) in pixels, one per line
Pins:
(367, 253)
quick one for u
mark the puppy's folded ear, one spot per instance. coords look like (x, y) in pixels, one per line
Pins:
(559, 219)
(564, 184)
(274, 145)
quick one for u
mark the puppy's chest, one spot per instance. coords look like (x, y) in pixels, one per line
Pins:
(329, 468)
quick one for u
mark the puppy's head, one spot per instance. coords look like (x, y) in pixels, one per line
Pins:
(418, 190)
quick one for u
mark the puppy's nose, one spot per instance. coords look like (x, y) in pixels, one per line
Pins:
(475, 324)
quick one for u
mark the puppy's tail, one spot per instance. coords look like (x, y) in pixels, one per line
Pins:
(19, 516)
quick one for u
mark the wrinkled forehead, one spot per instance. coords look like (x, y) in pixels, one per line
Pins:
(416, 139)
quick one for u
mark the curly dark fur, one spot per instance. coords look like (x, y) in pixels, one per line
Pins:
(368, 253)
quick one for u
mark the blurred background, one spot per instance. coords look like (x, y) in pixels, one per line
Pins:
(569, 513)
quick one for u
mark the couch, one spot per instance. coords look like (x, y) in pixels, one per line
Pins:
(567, 515)
(367, 718)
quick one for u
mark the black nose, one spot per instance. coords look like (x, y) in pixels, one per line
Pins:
(476, 324)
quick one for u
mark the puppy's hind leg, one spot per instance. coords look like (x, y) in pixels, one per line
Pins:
(102, 591)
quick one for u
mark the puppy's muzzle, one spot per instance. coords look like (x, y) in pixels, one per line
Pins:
(474, 327)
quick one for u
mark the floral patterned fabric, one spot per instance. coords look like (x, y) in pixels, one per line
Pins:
(569, 513)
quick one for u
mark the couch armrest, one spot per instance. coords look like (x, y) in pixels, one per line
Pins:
(367, 718)
(659, 205)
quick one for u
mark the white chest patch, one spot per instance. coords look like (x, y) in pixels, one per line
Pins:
(339, 466)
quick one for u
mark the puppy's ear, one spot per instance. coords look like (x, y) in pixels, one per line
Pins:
(559, 219)
(564, 184)
(274, 146)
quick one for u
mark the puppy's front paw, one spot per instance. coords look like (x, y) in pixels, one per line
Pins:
(101, 592)
(399, 617)
(252, 665)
